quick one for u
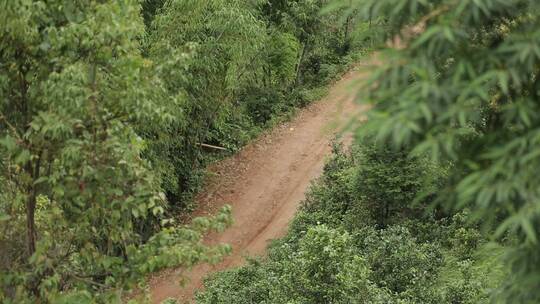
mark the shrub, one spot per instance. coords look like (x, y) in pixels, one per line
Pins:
(324, 269)
(399, 260)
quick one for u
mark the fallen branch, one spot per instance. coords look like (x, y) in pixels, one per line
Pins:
(212, 147)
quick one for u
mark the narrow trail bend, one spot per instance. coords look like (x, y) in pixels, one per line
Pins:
(264, 183)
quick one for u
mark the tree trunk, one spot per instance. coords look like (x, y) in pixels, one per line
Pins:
(347, 37)
(30, 223)
(31, 201)
(299, 65)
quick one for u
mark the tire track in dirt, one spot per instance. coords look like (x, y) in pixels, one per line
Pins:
(264, 183)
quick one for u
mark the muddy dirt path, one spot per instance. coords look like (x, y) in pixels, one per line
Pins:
(265, 182)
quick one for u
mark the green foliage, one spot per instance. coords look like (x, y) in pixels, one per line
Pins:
(282, 53)
(324, 269)
(400, 260)
(465, 91)
(74, 186)
(203, 61)
(150, 8)
(389, 182)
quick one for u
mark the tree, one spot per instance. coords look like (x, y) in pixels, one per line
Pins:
(319, 35)
(73, 85)
(150, 8)
(466, 91)
(388, 181)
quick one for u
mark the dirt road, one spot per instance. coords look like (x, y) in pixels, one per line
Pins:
(264, 184)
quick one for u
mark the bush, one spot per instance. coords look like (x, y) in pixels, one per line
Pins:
(466, 289)
(263, 103)
(400, 261)
(324, 269)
